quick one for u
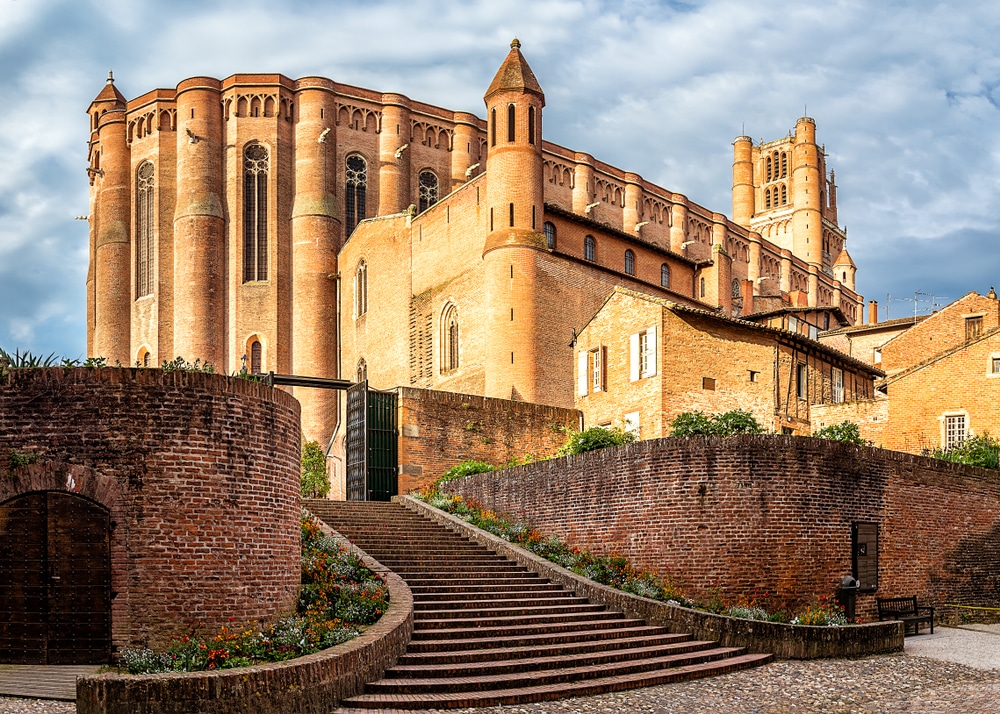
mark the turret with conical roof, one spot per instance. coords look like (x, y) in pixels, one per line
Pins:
(514, 244)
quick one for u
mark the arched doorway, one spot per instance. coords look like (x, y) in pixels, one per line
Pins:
(55, 580)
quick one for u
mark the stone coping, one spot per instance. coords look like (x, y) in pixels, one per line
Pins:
(782, 640)
(309, 685)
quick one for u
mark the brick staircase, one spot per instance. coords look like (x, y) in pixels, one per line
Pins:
(487, 631)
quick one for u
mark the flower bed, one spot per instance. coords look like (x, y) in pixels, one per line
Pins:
(339, 595)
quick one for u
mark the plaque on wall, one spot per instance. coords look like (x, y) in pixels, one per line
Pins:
(864, 561)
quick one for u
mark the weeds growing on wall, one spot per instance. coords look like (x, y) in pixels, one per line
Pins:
(339, 595)
(596, 437)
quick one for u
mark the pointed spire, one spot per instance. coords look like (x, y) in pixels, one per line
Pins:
(845, 259)
(110, 93)
(515, 75)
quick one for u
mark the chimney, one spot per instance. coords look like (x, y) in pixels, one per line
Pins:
(873, 312)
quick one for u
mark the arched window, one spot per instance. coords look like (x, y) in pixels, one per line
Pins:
(665, 275)
(784, 165)
(493, 127)
(531, 125)
(361, 289)
(784, 194)
(629, 262)
(362, 370)
(703, 287)
(510, 122)
(550, 235)
(143, 358)
(256, 357)
(428, 190)
(356, 185)
(589, 248)
(449, 338)
(767, 198)
(767, 162)
(145, 219)
(737, 291)
(255, 170)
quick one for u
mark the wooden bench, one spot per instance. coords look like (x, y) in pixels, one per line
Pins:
(905, 609)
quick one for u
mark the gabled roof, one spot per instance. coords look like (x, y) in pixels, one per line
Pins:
(515, 75)
(754, 326)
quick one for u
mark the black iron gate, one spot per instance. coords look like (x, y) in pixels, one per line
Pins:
(372, 458)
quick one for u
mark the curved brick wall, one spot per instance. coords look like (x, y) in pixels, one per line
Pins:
(200, 473)
(768, 514)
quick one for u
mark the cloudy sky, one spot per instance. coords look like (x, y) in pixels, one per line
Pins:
(906, 96)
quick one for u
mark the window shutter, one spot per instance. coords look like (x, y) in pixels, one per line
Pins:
(654, 350)
(581, 380)
(633, 357)
(604, 368)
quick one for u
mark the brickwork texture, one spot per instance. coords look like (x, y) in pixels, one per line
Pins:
(200, 473)
(768, 514)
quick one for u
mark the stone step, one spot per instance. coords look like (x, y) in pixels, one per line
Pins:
(490, 632)
(501, 655)
(540, 693)
(569, 671)
(510, 621)
(471, 638)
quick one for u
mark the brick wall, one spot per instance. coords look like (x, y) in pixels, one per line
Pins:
(200, 473)
(871, 415)
(439, 430)
(768, 513)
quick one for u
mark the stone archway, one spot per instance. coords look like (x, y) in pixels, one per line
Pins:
(55, 579)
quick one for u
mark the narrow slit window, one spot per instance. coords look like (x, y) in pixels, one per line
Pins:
(511, 109)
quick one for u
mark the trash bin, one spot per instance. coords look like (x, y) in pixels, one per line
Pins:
(847, 595)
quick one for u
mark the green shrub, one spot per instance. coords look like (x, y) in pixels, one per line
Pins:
(315, 483)
(845, 431)
(981, 450)
(731, 423)
(466, 468)
(596, 437)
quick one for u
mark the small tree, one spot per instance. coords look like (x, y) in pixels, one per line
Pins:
(596, 437)
(692, 424)
(845, 431)
(315, 483)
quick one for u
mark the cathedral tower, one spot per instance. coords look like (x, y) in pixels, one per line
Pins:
(199, 224)
(514, 212)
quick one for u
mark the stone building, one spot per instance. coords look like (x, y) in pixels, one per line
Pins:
(643, 360)
(942, 383)
(220, 212)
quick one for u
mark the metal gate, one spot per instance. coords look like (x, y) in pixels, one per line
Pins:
(55, 580)
(372, 458)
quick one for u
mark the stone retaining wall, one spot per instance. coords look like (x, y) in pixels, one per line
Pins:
(782, 640)
(768, 513)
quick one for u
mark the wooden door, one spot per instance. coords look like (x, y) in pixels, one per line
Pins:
(55, 577)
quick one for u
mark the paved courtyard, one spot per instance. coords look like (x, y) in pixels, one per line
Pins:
(953, 670)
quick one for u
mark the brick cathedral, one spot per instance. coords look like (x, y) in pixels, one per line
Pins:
(311, 227)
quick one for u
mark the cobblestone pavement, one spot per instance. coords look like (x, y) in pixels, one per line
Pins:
(875, 685)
